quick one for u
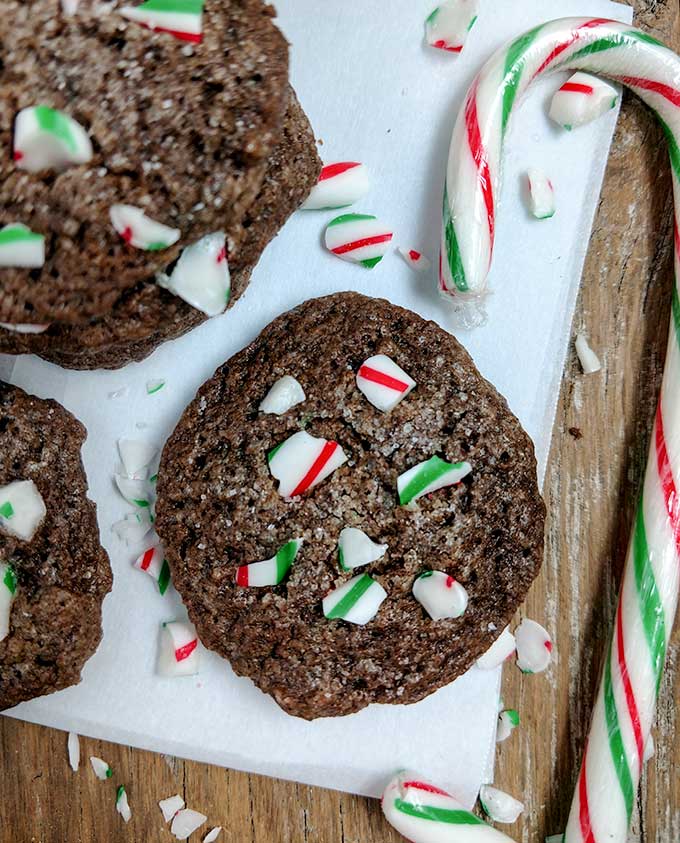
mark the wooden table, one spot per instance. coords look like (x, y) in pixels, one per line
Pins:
(598, 452)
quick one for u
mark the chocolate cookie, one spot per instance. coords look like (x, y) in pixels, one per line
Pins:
(219, 508)
(61, 574)
(147, 315)
(182, 131)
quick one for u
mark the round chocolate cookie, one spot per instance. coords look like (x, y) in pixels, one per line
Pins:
(62, 574)
(182, 131)
(219, 508)
(148, 315)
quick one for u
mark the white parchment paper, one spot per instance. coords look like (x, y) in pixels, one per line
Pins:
(374, 94)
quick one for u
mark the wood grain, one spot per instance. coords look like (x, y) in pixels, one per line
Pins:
(591, 488)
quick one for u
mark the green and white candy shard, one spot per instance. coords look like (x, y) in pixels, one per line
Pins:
(136, 456)
(45, 138)
(134, 527)
(429, 476)
(359, 238)
(201, 276)
(534, 647)
(501, 650)
(185, 822)
(137, 492)
(171, 806)
(22, 509)
(448, 25)
(498, 805)
(355, 549)
(181, 18)
(383, 382)
(8, 588)
(21, 248)
(440, 595)
(73, 747)
(508, 721)
(122, 804)
(270, 571)
(356, 601)
(141, 231)
(178, 653)
(424, 813)
(101, 769)
(23, 329)
(302, 461)
(582, 98)
(541, 194)
(283, 395)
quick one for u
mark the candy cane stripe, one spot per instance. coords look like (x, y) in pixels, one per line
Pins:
(576, 88)
(318, 464)
(441, 815)
(332, 170)
(481, 159)
(615, 741)
(627, 685)
(184, 652)
(671, 94)
(584, 810)
(359, 244)
(425, 786)
(513, 71)
(384, 380)
(355, 593)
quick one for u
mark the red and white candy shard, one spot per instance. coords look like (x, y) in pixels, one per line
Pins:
(22, 509)
(136, 456)
(21, 248)
(590, 362)
(429, 476)
(415, 259)
(340, 184)
(141, 231)
(153, 562)
(581, 99)
(45, 138)
(302, 461)
(73, 747)
(501, 650)
(171, 806)
(101, 769)
(185, 822)
(134, 527)
(122, 804)
(24, 329)
(355, 549)
(8, 588)
(283, 395)
(424, 813)
(181, 18)
(534, 647)
(359, 238)
(356, 601)
(383, 382)
(447, 27)
(212, 835)
(499, 806)
(541, 194)
(201, 276)
(270, 571)
(178, 654)
(508, 721)
(137, 492)
(440, 595)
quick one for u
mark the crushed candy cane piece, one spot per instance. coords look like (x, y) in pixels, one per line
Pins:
(356, 601)
(22, 509)
(541, 194)
(650, 748)
(136, 492)
(154, 386)
(201, 276)
(212, 835)
(24, 329)
(141, 231)
(448, 25)
(359, 238)
(501, 650)
(555, 838)
(534, 647)
(283, 395)
(156, 566)
(182, 19)
(498, 805)
(45, 138)
(429, 476)
(440, 595)
(118, 393)
(415, 259)
(590, 362)
(171, 806)
(302, 461)
(69, 7)
(581, 99)
(270, 571)
(101, 768)
(355, 549)
(122, 804)
(185, 822)
(73, 745)
(21, 248)
(340, 184)
(134, 527)
(383, 382)
(136, 456)
(178, 654)
(508, 721)
(8, 589)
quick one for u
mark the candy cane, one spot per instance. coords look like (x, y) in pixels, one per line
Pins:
(20, 247)
(141, 231)
(429, 476)
(624, 711)
(45, 138)
(383, 382)
(581, 99)
(302, 461)
(448, 25)
(153, 562)
(359, 238)
(270, 571)
(340, 184)
(356, 601)
(440, 595)
(201, 276)
(181, 18)
(178, 654)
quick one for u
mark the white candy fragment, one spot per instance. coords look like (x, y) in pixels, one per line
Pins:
(185, 822)
(122, 805)
(73, 745)
(8, 588)
(590, 362)
(69, 7)
(302, 461)
(355, 549)
(22, 509)
(136, 456)
(141, 231)
(212, 835)
(21, 248)
(499, 806)
(383, 382)
(178, 653)
(340, 184)
(356, 601)
(201, 276)
(447, 27)
(501, 649)
(534, 647)
(171, 806)
(136, 492)
(415, 259)
(440, 595)
(134, 527)
(45, 138)
(649, 748)
(581, 99)
(508, 721)
(24, 329)
(541, 194)
(101, 768)
(283, 395)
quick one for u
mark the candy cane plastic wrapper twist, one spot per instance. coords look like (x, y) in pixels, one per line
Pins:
(623, 714)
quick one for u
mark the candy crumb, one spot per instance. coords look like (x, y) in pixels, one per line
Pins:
(590, 362)
(498, 805)
(154, 386)
(73, 744)
(185, 822)
(118, 393)
(122, 805)
(212, 835)
(101, 769)
(170, 806)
